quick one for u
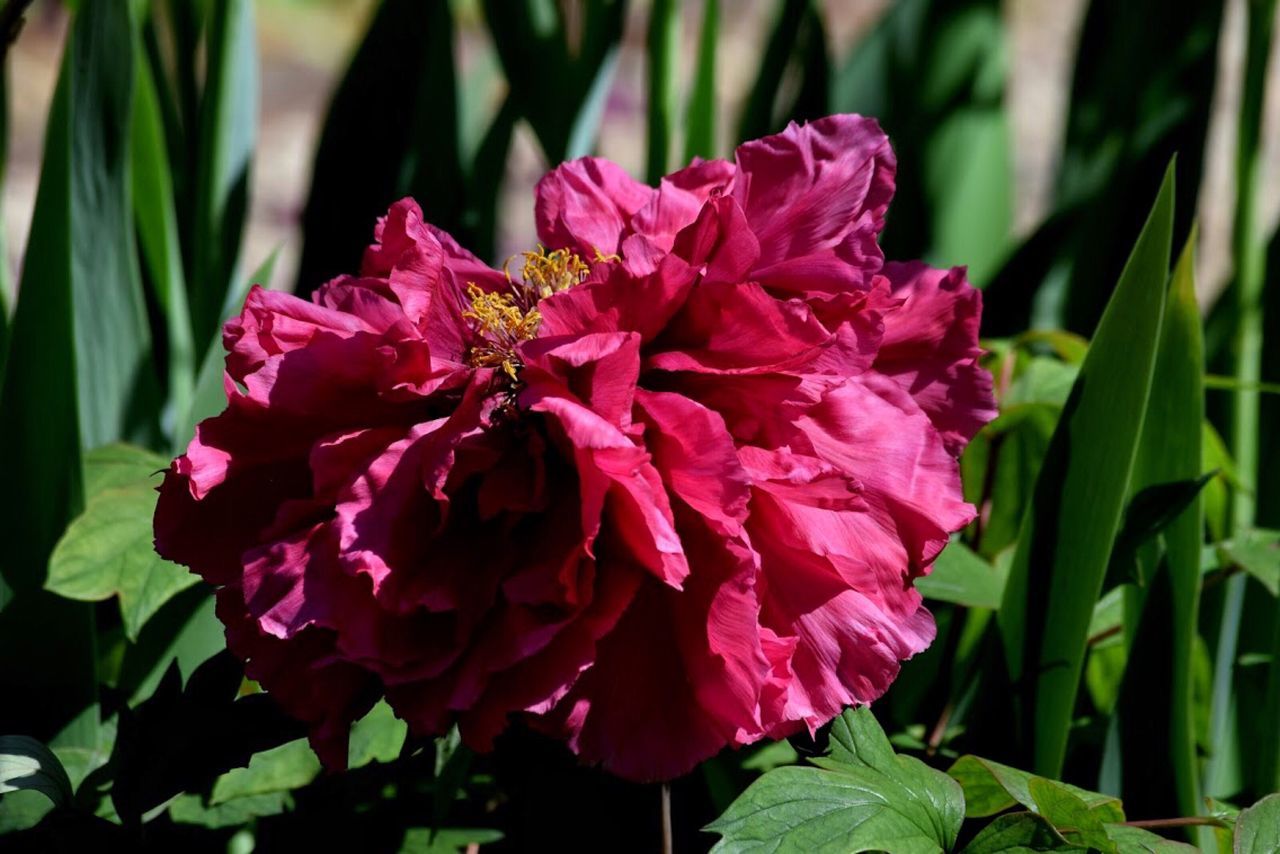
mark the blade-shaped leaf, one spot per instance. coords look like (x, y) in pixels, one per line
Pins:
(228, 130)
(700, 115)
(664, 72)
(79, 371)
(404, 62)
(1160, 769)
(1068, 532)
(157, 224)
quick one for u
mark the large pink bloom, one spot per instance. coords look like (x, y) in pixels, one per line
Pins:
(679, 508)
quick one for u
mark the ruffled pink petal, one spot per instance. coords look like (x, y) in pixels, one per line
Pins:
(733, 329)
(930, 348)
(806, 189)
(586, 204)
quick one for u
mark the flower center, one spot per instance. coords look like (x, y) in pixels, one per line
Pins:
(502, 320)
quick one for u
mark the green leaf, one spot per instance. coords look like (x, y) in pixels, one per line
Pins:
(700, 115)
(1149, 512)
(157, 224)
(960, 576)
(190, 809)
(863, 797)
(404, 64)
(1128, 116)
(532, 41)
(377, 737)
(664, 72)
(27, 764)
(446, 840)
(79, 369)
(289, 766)
(1257, 552)
(1072, 817)
(107, 551)
(1018, 833)
(1076, 510)
(1156, 716)
(990, 787)
(228, 130)
(1258, 828)
(933, 72)
(1001, 466)
(1135, 840)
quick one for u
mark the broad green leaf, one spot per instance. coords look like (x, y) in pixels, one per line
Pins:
(664, 72)
(157, 224)
(228, 131)
(377, 737)
(1135, 840)
(862, 798)
(1018, 833)
(700, 115)
(1156, 718)
(27, 764)
(1069, 813)
(108, 550)
(289, 766)
(990, 787)
(1257, 553)
(79, 369)
(1258, 828)
(958, 575)
(1075, 512)
(190, 809)
(772, 755)
(446, 840)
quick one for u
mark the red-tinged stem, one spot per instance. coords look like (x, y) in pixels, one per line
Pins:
(1189, 821)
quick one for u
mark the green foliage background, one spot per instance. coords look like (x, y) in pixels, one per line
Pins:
(1109, 625)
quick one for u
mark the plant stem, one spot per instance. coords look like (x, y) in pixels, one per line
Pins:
(667, 846)
(1189, 821)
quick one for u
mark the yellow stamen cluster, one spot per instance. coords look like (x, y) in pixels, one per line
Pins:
(501, 325)
(502, 320)
(546, 273)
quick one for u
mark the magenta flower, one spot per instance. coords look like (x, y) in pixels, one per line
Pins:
(663, 492)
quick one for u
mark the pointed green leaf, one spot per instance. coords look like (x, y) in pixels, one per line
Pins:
(863, 797)
(228, 131)
(1070, 815)
(1258, 828)
(958, 575)
(289, 766)
(1075, 512)
(107, 551)
(664, 73)
(79, 368)
(990, 787)
(157, 224)
(27, 764)
(1018, 833)
(1160, 769)
(700, 115)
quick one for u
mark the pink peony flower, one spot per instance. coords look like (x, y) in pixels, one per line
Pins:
(664, 492)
